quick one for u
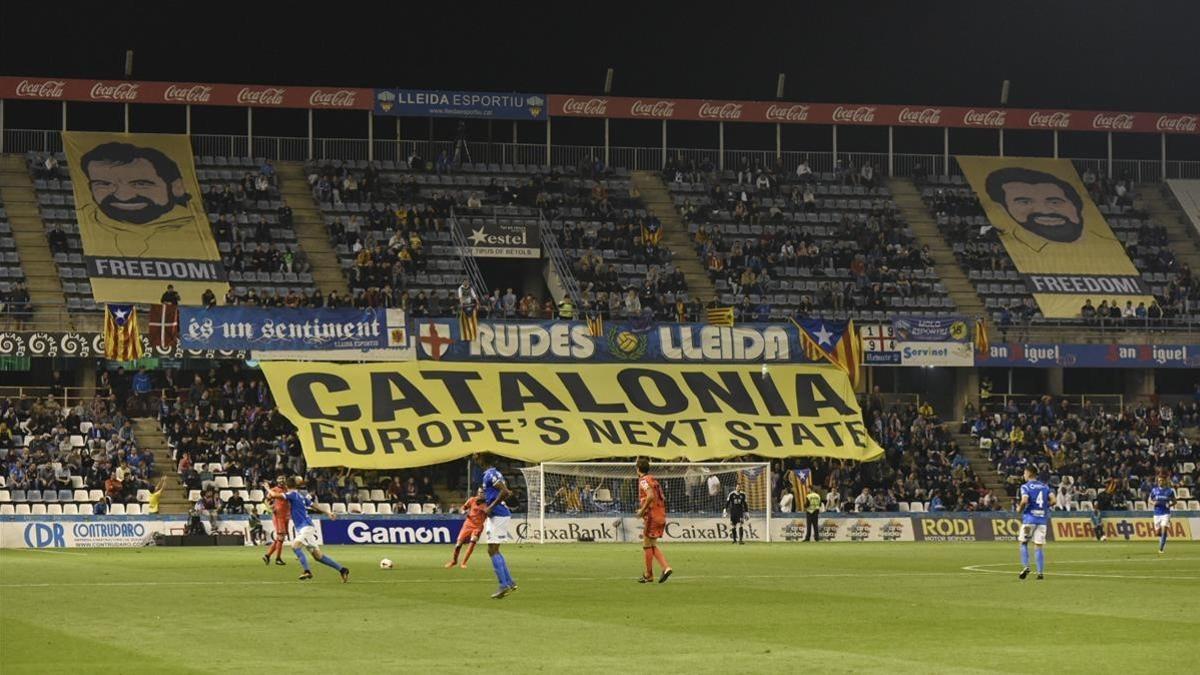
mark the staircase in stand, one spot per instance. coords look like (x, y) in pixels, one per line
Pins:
(20, 201)
(311, 232)
(983, 468)
(148, 435)
(675, 234)
(1181, 237)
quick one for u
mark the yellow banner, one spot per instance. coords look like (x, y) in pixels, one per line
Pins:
(396, 415)
(141, 217)
(1057, 238)
(1130, 529)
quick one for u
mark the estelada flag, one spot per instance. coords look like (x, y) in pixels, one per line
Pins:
(982, 344)
(121, 339)
(164, 326)
(801, 480)
(834, 341)
(468, 325)
(720, 316)
(595, 324)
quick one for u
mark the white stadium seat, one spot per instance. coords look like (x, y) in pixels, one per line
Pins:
(143, 496)
(903, 507)
(378, 496)
(5, 497)
(364, 495)
(1139, 506)
(1184, 493)
(95, 496)
(354, 508)
(85, 427)
(70, 510)
(413, 508)
(54, 509)
(1194, 505)
(224, 495)
(237, 482)
(7, 510)
(368, 508)
(603, 495)
(384, 509)
(116, 510)
(193, 495)
(222, 482)
(256, 496)
(133, 509)
(429, 508)
(76, 441)
(1085, 506)
(38, 509)
(339, 508)
(76, 482)
(22, 510)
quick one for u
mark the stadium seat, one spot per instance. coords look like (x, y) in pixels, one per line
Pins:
(76, 482)
(237, 482)
(339, 508)
(22, 510)
(603, 495)
(1193, 505)
(225, 495)
(1085, 506)
(193, 495)
(143, 496)
(38, 509)
(116, 509)
(354, 507)
(85, 427)
(364, 495)
(54, 509)
(18, 495)
(79, 496)
(33, 495)
(216, 467)
(1184, 493)
(133, 509)
(413, 508)
(76, 441)
(5, 497)
(917, 507)
(903, 507)
(378, 496)
(95, 496)
(3, 484)
(429, 508)
(222, 483)
(384, 509)
(50, 496)
(7, 510)
(256, 496)
(65, 496)
(70, 510)
(244, 494)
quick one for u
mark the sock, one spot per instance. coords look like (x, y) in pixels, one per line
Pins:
(741, 534)
(1041, 559)
(1024, 555)
(454, 557)
(303, 558)
(326, 560)
(648, 554)
(271, 548)
(507, 575)
(470, 550)
(662, 559)
(1162, 540)
(498, 567)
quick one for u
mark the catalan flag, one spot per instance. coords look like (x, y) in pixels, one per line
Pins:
(468, 324)
(652, 235)
(122, 342)
(801, 480)
(982, 345)
(595, 324)
(834, 341)
(720, 316)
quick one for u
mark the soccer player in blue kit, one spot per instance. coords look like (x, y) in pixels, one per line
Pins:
(495, 490)
(1036, 501)
(1163, 496)
(306, 530)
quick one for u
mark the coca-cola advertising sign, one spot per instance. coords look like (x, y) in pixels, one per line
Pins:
(1176, 123)
(1059, 119)
(658, 109)
(341, 98)
(720, 111)
(1113, 121)
(863, 114)
(40, 88)
(121, 91)
(926, 116)
(984, 118)
(196, 93)
(261, 95)
(590, 107)
(787, 113)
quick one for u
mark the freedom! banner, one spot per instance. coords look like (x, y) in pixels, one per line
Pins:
(1055, 235)
(399, 415)
(141, 217)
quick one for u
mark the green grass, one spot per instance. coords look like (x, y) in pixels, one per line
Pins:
(885, 607)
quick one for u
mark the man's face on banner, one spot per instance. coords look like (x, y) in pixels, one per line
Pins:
(1043, 209)
(132, 192)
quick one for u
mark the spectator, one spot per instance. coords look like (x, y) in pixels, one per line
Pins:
(170, 296)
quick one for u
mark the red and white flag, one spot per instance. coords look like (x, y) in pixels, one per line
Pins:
(164, 326)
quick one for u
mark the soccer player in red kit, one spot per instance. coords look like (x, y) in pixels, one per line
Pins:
(281, 512)
(653, 510)
(476, 510)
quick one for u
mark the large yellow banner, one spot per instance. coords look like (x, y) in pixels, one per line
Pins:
(1055, 235)
(396, 415)
(141, 217)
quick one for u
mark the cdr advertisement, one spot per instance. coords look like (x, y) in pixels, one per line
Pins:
(397, 415)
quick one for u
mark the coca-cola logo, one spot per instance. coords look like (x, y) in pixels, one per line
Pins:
(926, 116)
(984, 118)
(721, 111)
(589, 106)
(342, 98)
(42, 89)
(1176, 123)
(862, 114)
(792, 113)
(642, 108)
(123, 91)
(261, 96)
(1112, 121)
(197, 93)
(1054, 120)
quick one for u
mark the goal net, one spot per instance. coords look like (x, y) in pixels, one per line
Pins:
(598, 501)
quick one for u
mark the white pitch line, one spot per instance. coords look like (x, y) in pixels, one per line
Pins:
(674, 579)
(977, 568)
(46, 550)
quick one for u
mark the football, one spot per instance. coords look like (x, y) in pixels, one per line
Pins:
(385, 564)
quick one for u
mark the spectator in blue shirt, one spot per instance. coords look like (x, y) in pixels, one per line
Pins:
(141, 387)
(935, 504)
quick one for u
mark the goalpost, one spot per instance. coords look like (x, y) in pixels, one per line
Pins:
(598, 501)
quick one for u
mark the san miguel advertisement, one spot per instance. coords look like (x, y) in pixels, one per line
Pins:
(1057, 238)
(397, 415)
(141, 217)
(1049, 355)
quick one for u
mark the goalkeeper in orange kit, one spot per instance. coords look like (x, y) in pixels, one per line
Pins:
(476, 511)
(653, 511)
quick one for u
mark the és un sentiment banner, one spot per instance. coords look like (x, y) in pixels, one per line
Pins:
(269, 329)
(1055, 235)
(441, 340)
(141, 217)
(475, 104)
(397, 415)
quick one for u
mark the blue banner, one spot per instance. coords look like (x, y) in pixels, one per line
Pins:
(439, 339)
(1021, 355)
(930, 329)
(269, 329)
(474, 104)
(351, 530)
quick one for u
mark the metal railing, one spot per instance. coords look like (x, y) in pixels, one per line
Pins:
(67, 398)
(1109, 403)
(562, 266)
(463, 249)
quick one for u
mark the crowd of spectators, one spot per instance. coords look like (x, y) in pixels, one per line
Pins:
(1111, 457)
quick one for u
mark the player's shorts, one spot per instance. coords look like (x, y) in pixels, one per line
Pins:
(467, 531)
(496, 528)
(1032, 531)
(654, 528)
(736, 518)
(1163, 520)
(281, 525)
(307, 536)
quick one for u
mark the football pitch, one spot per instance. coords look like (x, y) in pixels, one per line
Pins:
(887, 607)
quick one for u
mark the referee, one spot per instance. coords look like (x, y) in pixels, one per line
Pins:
(812, 507)
(735, 504)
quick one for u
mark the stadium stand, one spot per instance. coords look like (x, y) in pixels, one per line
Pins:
(1095, 455)
(779, 243)
(14, 295)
